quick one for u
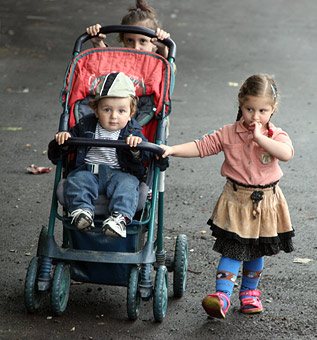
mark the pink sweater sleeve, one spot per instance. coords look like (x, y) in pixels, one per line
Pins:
(210, 144)
(282, 136)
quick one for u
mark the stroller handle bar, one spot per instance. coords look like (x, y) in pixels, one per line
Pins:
(126, 29)
(151, 147)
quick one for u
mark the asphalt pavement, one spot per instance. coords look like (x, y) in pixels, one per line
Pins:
(219, 44)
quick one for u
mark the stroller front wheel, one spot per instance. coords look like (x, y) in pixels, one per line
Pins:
(134, 297)
(60, 288)
(32, 296)
(180, 266)
(160, 298)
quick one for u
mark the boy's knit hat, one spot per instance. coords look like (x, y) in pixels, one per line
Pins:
(115, 85)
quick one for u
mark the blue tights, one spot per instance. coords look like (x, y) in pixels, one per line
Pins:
(227, 273)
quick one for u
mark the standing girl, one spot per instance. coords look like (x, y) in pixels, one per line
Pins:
(142, 15)
(251, 218)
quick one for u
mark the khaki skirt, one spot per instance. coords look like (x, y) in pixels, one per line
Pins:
(250, 222)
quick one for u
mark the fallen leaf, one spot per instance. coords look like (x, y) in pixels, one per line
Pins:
(203, 231)
(36, 17)
(230, 83)
(73, 329)
(194, 271)
(38, 56)
(11, 128)
(302, 260)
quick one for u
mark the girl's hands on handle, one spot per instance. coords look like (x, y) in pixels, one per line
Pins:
(167, 150)
(61, 137)
(160, 35)
(161, 48)
(97, 41)
(186, 150)
(133, 141)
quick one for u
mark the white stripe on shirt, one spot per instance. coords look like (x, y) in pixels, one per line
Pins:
(99, 155)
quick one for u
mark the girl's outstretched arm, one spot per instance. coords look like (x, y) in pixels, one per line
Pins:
(182, 150)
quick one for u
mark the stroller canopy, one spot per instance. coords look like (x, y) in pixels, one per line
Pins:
(150, 73)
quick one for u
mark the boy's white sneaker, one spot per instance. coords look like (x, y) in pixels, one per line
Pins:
(82, 219)
(115, 225)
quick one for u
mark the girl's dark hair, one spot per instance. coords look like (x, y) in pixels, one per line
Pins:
(142, 15)
(258, 85)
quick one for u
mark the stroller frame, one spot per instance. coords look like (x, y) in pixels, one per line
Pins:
(41, 278)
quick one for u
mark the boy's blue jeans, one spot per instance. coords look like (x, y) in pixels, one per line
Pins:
(82, 187)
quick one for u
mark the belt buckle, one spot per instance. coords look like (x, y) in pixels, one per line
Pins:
(95, 169)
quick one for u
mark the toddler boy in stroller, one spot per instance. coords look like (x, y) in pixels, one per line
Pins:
(101, 169)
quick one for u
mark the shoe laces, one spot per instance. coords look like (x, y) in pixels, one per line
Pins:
(118, 218)
(74, 214)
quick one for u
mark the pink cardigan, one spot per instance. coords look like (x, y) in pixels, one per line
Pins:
(245, 161)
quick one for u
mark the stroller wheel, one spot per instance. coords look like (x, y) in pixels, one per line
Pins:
(32, 296)
(180, 266)
(60, 288)
(160, 298)
(134, 297)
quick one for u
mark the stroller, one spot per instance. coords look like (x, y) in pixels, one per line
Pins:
(92, 257)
